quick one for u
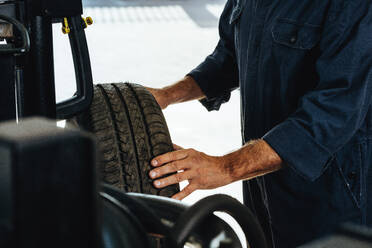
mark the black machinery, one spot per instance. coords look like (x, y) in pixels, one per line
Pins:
(27, 59)
(49, 195)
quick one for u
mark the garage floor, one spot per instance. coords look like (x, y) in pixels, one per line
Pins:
(155, 43)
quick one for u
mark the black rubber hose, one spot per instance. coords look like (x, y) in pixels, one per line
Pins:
(197, 213)
(25, 37)
(134, 221)
(144, 214)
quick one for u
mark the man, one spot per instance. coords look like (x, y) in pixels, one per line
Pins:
(304, 72)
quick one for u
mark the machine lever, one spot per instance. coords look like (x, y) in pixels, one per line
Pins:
(7, 49)
(83, 73)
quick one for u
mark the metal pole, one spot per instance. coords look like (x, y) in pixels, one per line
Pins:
(39, 94)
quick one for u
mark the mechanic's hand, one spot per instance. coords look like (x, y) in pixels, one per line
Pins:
(202, 171)
(160, 96)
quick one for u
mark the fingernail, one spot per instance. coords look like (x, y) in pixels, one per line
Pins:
(152, 174)
(157, 183)
(154, 162)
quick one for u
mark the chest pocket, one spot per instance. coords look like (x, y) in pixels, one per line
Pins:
(296, 35)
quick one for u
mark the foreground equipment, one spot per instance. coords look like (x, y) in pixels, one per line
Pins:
(49, 198)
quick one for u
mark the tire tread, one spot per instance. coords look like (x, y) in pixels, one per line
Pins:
(131, 130)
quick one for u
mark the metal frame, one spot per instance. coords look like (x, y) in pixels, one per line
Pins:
(32, 72)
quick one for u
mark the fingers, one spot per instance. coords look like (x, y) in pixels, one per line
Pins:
(173, 179)
(185, 192)
(169, 157)
(168, 169)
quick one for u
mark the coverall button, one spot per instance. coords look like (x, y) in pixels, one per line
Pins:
(293, 39)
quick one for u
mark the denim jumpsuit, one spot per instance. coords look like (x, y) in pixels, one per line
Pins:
(304, 69)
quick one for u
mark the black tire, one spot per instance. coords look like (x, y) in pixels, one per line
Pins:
(131, 130)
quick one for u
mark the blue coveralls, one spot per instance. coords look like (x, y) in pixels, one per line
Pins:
(304, 69)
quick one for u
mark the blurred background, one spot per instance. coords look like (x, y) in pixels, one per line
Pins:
(155, 43)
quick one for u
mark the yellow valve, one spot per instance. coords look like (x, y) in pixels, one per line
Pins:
(88, 21)
(65, 27)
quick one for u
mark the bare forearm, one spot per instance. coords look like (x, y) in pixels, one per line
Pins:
(182, 91)
(254, 159)
(202, 171)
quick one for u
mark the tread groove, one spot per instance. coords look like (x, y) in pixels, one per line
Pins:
(144, 119)
(141, 99)
(114, 123)
(122, 100)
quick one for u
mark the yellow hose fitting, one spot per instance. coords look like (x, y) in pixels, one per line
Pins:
(87, 21)
(65, 27)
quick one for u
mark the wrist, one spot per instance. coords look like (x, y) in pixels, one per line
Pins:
(256, 158)
(165, 96)
(174, 93)
(184, 90)
(227, 166)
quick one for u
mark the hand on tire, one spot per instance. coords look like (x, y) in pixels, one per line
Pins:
(201, 170)
(159, 96)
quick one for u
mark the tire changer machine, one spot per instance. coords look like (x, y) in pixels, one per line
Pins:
(49, 194)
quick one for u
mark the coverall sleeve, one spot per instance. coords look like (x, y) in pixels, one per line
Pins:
(217, 76)
(329, 116)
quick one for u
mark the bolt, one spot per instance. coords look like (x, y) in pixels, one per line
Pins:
(89, 20)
